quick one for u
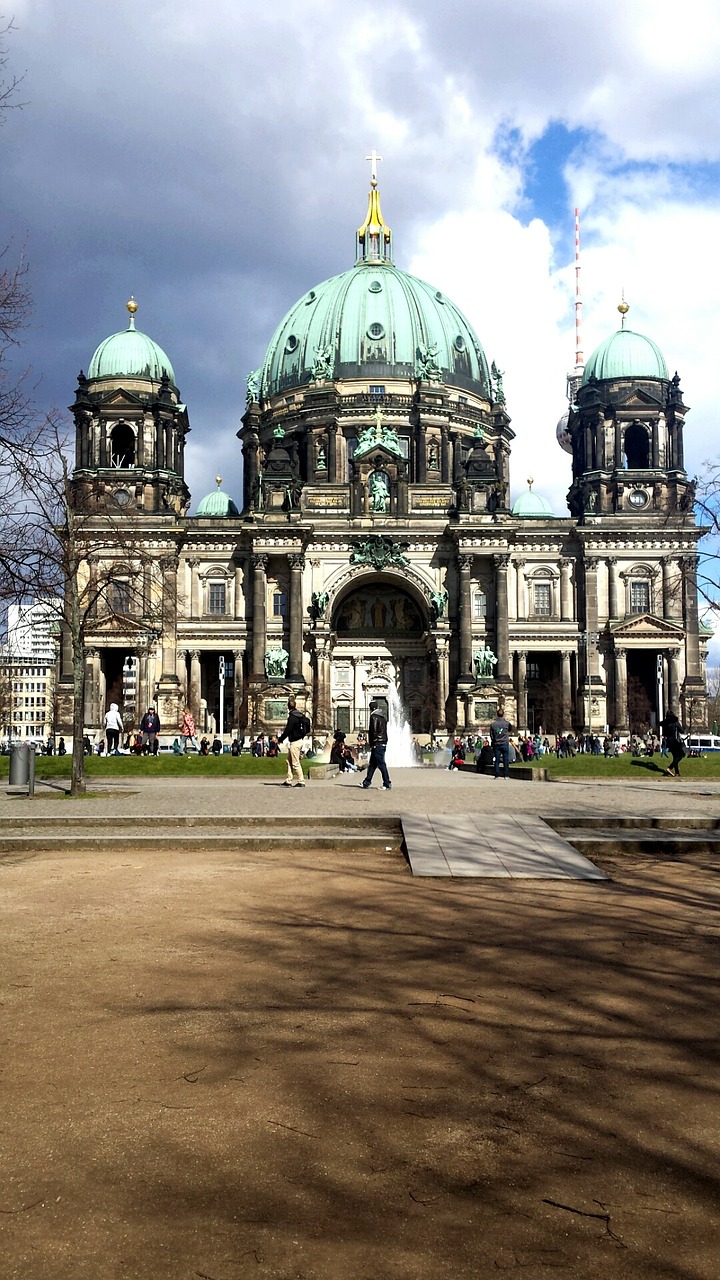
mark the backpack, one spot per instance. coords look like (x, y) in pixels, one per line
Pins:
(305, 725)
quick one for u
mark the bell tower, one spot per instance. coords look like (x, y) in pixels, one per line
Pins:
(626, 432)
(130, 428)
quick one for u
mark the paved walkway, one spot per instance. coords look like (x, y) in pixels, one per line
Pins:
(496, 845)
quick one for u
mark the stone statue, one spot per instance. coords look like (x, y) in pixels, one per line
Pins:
(276, 661)
(483, 661)
(319, 602)
(323, 363)
(293, 494)
(378, 552)
(591, 501)
(321, 461)
(253, 386)
(463, 494)
(426, 362)
(256, 495)
(438, 603)
(378, 434)
(497, 378)
(379, 492)
(433, 458)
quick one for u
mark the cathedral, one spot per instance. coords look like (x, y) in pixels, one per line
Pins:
(375, 553)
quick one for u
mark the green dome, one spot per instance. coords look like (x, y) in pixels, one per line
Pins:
(130, 354)
(532, 506)
(217, 503)
(626, 355)
(374, 322)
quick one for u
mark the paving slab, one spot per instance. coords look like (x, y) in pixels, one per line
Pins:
(497, 846)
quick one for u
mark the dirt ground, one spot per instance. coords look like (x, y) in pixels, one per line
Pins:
(317, 1068)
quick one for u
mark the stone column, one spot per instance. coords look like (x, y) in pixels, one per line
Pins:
(521, 689)
(169, 619)
(421, 447)
(693, 668)
(613, 585)
(444, 462)
(567, 610)
(655, 446)
(194, 588)
(670, 589)
(443, 682)
(182, 672)
(259, 618)
(238, 591)
(295, 664)
(621, 703)
(618, 446)
(521, 591)
(465, 619)
(322, 711)
(92, 667)
(591, 611)
(502, 631)
(195, 686)
(566, 690)
(239, 688)
(673, 697)
(332, 453)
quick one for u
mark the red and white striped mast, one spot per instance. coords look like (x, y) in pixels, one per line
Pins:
(579, 359)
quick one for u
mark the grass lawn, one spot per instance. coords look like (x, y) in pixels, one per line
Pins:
(165, 765)
(626, 766)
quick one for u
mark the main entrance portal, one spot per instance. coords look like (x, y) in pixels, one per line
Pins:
(381, 638)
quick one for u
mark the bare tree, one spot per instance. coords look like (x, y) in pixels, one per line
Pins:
(53, 547)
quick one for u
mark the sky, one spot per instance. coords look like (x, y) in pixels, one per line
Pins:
(210, 160)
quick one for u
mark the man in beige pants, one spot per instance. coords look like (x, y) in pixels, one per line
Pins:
(295, 730)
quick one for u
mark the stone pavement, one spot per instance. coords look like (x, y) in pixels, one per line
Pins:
(426, 791)
(497, 846)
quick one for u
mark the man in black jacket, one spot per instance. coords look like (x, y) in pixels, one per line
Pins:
(295, 730)
(377, 741)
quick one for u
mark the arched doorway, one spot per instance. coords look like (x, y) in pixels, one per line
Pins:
(380, 626)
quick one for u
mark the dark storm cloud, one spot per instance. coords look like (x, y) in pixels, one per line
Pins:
(209, 159)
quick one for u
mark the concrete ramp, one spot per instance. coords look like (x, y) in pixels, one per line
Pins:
(498, 845)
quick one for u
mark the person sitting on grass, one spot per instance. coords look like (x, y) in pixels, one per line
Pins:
(217, 745)
(178, 750)
(204, 747)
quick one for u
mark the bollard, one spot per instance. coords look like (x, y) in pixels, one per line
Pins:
(22, 766)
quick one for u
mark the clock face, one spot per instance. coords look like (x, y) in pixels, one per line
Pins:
(638, 498)
(121, 497)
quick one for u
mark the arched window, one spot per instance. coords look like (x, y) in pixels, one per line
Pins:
(122, 446)
(637, 447)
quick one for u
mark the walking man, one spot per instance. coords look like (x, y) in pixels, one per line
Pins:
(377, 741)
(500, 739)
(296, 728)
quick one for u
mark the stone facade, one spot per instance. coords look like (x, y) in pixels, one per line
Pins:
(376, 546)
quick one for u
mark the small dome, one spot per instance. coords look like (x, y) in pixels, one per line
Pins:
(562, 434)
(130, 354)
(626, 354)
(532, 506)
(217, 503)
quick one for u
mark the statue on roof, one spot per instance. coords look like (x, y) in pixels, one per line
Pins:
(253, 387)
(426, 362)
(497, 376)
(322, 368)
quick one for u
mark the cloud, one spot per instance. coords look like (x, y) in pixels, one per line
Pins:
(210, 160)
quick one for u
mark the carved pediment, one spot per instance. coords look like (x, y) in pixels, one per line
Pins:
(645, 629)
(119, 396)
(637, 396)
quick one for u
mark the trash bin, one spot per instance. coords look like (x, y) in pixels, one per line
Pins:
(22, 766)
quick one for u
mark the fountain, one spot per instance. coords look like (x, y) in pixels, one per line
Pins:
(400, 751)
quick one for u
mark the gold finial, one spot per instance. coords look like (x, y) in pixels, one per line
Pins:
(218, 481)
(374, 237)
(623, 308)
(530, 482)
(132, 305)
